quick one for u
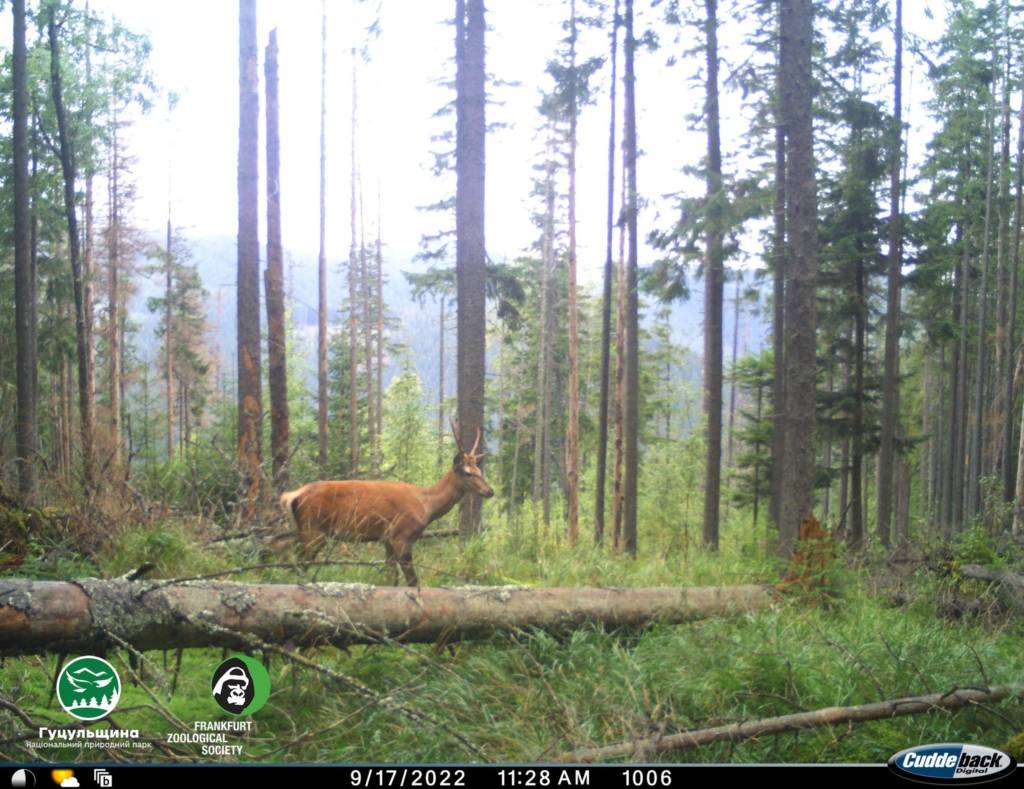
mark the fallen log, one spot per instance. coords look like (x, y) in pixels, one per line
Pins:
(1009, 587)
(77, 616)
(830, 716)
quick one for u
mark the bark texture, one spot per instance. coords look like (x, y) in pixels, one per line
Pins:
(276, 349)
(471, 128)
(798, 469)
(250, 401)
(75, 616)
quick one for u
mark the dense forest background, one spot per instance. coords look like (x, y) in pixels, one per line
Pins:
(802, 329)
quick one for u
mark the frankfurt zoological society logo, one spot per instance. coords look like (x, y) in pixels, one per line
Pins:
(88, 688)
(241, 685)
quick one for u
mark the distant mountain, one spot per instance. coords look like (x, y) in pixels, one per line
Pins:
(215, 257)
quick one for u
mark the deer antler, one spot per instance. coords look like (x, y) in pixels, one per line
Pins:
(455, 432)
(476, 443)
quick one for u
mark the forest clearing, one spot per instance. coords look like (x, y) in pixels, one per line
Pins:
(463, 400)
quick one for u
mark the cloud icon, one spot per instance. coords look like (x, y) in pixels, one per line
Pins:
(70, 783)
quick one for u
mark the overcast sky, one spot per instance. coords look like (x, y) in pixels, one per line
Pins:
(192, 157)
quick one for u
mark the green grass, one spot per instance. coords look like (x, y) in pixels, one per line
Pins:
(531, 696)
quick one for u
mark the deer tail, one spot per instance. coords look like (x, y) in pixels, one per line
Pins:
(290, 503)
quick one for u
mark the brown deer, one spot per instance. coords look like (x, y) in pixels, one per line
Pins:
(395, 513)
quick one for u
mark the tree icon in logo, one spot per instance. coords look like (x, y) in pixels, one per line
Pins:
(88, 688)
(241, 685)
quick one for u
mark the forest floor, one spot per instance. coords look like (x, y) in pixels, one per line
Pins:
(885, 630)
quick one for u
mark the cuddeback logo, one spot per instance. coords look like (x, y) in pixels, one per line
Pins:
(952, 763)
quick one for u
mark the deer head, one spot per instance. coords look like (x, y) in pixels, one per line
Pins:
(468, 475)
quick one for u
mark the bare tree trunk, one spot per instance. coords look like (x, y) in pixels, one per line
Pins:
(606, 303)
(365, 274)
(169, 340)
(321, 347)
(973, 503)
(798, 475)
(1011, 321)
(890, 380)
(540, 455)
(1018, 509)
(440, 389)
(960, 404)
(735, 349)
(997, 408)
(858, 487)
(114, 302)
(24, 273)
(250, 400)
(779, 255)
(620, 378)
(379, 275)
(470, 272)
(631, 426)
(353, 346)
(572, 437)
(714, 276)
(277, 358)
(68, 169)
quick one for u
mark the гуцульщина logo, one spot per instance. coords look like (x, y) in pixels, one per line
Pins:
(952, 763)
(241, 685)
(88, 688)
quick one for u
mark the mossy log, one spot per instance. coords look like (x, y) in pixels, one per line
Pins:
(1008, 586)
(91, 615)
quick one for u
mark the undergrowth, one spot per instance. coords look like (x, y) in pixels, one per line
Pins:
(531, 696)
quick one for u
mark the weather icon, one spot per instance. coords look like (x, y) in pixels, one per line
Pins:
(23, 779)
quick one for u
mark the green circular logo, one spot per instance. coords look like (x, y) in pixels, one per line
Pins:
(88, 688)
(241, 685)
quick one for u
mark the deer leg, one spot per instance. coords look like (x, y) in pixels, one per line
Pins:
(391, 560)
(405, 561)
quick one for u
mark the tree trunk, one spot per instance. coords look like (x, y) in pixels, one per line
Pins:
(545, 367)
(714, 276)
(735, 350)
(250, 402)
(73, 617)
(1011, 322)
(321, 346)
(367, 299)
(24, 274)
(168, 342)
(470, 272)
(378, 410)
(779, 255)
(277, 358)
(68, 169)
(572, 433)
(855, 534)
(353, 297)
(631, 426)
(890, 377)
(620, 378)
(606, 302)
(973, 503)
(961, 405)
(796, 24)
(114, 303)
(440, 389)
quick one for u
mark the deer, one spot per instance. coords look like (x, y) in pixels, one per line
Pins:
(394, 513)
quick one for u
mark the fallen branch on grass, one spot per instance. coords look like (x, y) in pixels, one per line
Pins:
(830, 716)
(75, 616)
(1009, 587)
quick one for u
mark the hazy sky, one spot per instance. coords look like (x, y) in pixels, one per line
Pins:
(195, 53)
